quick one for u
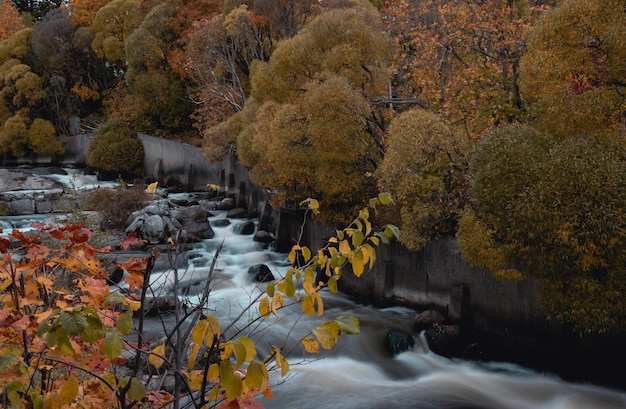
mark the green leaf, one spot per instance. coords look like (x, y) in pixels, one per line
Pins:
(270, 288)
(357, 238)
(349, 325)
(332, 284)
(114, 298)
(125, 323)
(94, 331)
(290, 287)
(73, 322)
(257, 376)
(113, 343)
(385, 198)
(6, 360)
(137, 390)
(392, 231)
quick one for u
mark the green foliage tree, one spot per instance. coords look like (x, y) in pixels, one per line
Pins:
(572, 74)
(425, 169)
(553, 210)
(116, 150)
(314, 105)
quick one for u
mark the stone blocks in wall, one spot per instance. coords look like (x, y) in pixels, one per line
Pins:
(31, 202)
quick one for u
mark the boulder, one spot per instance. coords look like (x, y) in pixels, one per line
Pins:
(163, 219)
(263, 237)
(195, 223)
(236, 213)
(261, 273)
(227, 203)
(426, 319)
(245, 228)
(444, 340)
(399, 341)
(221, 222)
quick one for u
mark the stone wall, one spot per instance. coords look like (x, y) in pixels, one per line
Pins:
(436, 277)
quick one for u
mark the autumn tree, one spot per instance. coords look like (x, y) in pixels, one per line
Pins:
(10, 20)
(21, 96)
(74, 77)
(460, 58)
(220, 53)
(286, 17)
(112, 24)
(83, 12)
(529, 218)
(572, 74)
(425, 169)
(314, 100)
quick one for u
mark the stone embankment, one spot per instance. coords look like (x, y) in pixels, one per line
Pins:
(24, 193)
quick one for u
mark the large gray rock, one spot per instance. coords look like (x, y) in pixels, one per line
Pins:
(195, 223)
(162, 220)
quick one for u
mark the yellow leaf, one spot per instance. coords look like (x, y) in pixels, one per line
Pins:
(194, 379)
(156, 356)
(152, 187)
(134, 305)
(264, 307)
(308, 305)
(226, 350)
(357, 264)
(310, 345)
(52, 401)
(344, 247)
(214, 372)
(277, 303)
(69, 390)
(327, 334)
(284, 366)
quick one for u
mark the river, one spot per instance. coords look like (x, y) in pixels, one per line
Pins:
(359, 372)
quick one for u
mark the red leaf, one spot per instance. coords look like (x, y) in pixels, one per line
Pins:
(131, 240)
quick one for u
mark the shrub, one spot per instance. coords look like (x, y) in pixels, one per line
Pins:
(116, 150)
(116, 205)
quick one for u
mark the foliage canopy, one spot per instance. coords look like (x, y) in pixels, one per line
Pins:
(554, 210)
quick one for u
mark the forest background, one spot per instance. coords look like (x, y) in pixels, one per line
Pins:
(499, 121)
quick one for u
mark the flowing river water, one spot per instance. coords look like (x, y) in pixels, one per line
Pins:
(359, 372)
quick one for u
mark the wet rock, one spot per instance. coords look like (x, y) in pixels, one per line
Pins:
(195, 223)
(261, 273)
(221, 222)
(399, 341)
(245, 228)
(263, 237)
(427, 318)
(237, 213)
(445, 340)
(227, 203)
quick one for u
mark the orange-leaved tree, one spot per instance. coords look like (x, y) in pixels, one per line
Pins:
(62, 328)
